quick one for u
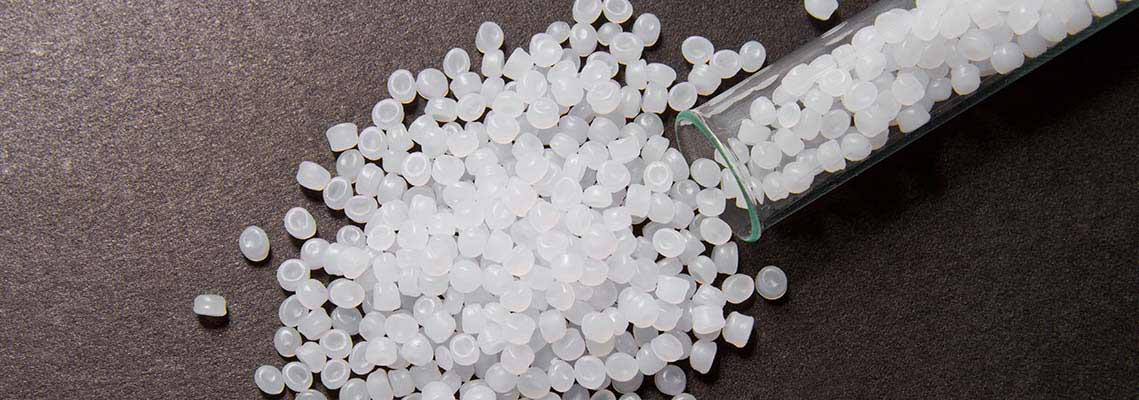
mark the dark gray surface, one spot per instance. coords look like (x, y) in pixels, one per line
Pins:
(995, 258)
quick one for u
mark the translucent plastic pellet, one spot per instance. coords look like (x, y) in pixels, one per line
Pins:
(296, 376)
(604, 97)
(705, 77)
(314, 324)
(516, 359)
(589, 372)
(1007, 57)
(286, 341)
(965, 79)
(337, 193)
(489, 37)
(707, 319)
(738, 288)
(762, 111)
(855, 147)
(975, 45)
(787, 141)
(1022, 17)
(210, 305)
(667, 348)
(670, 380)
(291, 273)
(682, 96)
(417, 350)
(703, 354)
(334, 374)
(912, 118)
(559, 31)
(771, 282)
(1101, 8)
(586, 11)
(499, 379)
(401, 86)
(542, 113)
(647, 27)
(752, 56)
(312, 294)
(492, 64)
(727, 62)
(346, 293)
(715, 231)
(254, 243)
(312, 176)
(788, 115)
(860, 96)
(545, 50)
(621, 367)
(431, 83)
(534, 383)
(626, 46)
(401, 382)
(387, 113)
(269, 379)
(583, 39)
(907, 89)
(360, 208)
(617, 11)
(606, 33)
(342, 136)
(737, 329)
(517, 64)
(821, 9)
(697, 50)
(416, 169)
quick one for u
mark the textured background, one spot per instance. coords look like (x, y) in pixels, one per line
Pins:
(995, 258)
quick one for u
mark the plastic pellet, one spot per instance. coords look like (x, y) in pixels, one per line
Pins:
(821, 9)
(269, 379)
(210, 305)
(254, 243)
(697, 50)
(771, 282)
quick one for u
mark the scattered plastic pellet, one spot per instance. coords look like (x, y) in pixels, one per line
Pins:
(533, 234)
(254, 243)
(821, 9)
(209, 305)
(771, 282)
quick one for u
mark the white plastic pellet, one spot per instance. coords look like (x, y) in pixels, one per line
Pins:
(254, 243)
(697, 50)
(648, 28)
(670, 380)
(682, 96)
(401, 86)
(300, 223)
(297, 376)
(342, 136)
(821, 9)
(738, 288)
(737, 329)
(269, 379)
(210, 305)
(771, 282)
(703, 354)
